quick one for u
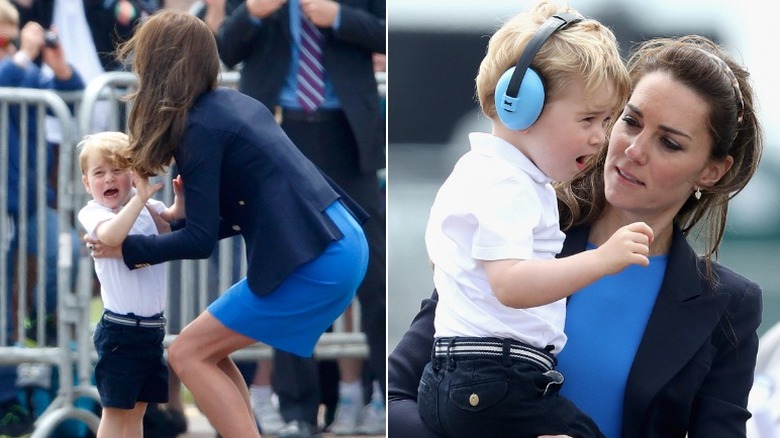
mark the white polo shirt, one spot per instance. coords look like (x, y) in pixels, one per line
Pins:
(140, 291)
(496, 204)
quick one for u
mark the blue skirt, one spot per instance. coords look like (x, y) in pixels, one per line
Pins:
(295, 315)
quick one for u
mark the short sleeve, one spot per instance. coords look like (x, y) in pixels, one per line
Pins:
(506, 215)
(93, 214)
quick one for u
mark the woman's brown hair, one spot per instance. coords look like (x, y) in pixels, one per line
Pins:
(705, 68)
(174, 55)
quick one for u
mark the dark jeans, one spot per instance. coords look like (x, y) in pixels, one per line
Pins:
(497, 397)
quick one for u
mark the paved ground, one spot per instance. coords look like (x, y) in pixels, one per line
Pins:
(199, 426)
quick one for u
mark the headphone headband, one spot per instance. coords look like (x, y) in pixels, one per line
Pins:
(520, 94)
(558, 21)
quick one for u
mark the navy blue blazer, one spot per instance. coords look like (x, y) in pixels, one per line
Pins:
(264, 52)
(692, 372)
(243, 175)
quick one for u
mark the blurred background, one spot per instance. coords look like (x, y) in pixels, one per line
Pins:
(434, 50)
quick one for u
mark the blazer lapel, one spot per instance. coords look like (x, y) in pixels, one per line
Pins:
(684, 315)
(576, 239)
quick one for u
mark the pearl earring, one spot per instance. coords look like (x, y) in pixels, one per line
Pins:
(697, 193)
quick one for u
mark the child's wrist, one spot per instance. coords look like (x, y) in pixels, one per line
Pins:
(140, 199)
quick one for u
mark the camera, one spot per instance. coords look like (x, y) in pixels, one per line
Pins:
(50, 39)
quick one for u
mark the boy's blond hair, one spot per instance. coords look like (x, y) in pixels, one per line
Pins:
(109, 145)
(585, 50)
(8, 13)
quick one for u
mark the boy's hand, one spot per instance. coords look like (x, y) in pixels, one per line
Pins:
(177, 209)
(630, 245)
(143, 189)
(178, 187)
(162, 225)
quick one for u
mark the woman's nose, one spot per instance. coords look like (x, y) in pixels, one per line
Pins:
(636, 151)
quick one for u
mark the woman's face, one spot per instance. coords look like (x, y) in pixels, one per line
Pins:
(659, 150)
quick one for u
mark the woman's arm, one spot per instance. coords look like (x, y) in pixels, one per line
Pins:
(405, 367)
(200, 165)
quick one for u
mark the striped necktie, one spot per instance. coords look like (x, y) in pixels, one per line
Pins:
(311, 88)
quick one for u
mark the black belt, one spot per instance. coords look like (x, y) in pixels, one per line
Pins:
(135, 321)
(466, 348)
(318, 116)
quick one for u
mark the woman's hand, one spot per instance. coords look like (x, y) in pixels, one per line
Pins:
(99, 250)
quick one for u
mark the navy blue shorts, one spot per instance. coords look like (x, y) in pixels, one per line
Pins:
(498, 395)
(131, 367)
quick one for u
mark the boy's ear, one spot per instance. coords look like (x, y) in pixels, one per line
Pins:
(85, 181)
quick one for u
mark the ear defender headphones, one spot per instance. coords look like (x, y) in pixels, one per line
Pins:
(520, 90)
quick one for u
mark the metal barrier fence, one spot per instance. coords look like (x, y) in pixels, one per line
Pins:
(193, 284)
(70, 354)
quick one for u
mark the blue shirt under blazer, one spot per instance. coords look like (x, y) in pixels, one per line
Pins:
(691, 374)
(242, 175)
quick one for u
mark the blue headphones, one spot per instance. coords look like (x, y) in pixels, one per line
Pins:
(520, 90)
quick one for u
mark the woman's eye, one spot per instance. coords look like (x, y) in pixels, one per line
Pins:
(670, 144)
(630, 121)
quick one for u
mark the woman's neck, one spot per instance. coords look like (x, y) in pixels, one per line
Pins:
(611, 220)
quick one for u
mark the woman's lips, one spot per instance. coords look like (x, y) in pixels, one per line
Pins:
(628, 177)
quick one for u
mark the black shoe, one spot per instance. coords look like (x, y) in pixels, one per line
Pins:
(299, 429)
(163, 423)
(178, 421)
(15, 420)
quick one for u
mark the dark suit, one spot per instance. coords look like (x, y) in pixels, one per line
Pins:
(347, 143)
(693, 370)
(265, 53)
